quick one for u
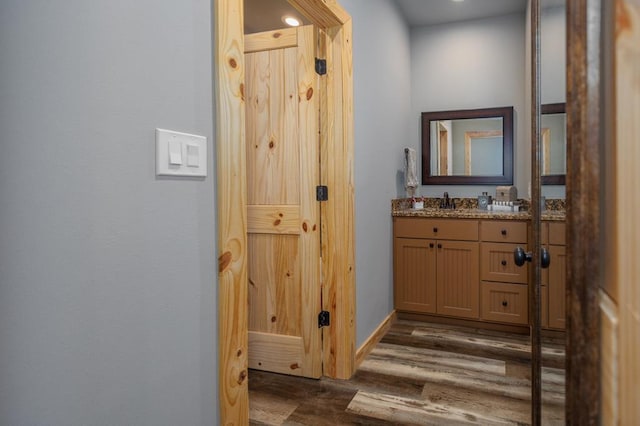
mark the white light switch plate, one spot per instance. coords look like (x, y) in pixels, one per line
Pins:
(168, 141)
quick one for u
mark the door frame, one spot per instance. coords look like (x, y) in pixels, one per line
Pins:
(334, 31)
(585, 166)
(583, 213)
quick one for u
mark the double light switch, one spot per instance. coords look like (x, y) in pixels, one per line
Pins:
(180, 154)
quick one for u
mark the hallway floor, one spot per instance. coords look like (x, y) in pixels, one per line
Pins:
(420, 374)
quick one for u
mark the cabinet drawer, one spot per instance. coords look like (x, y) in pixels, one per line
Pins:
(503, 231)
(497, 264)
(504, 303)
(557, 233)
(448, 229)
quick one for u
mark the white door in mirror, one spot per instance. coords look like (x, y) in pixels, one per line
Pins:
(180, 154)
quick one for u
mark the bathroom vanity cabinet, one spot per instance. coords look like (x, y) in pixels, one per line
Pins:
(436, 266)
(464, 268)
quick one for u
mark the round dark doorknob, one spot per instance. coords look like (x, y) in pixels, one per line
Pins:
(503, 232)
(504, 303)
(504, 262)
(430, 245)
(545, 258)
(520, 256)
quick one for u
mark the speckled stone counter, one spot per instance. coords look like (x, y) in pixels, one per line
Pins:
(467, 208)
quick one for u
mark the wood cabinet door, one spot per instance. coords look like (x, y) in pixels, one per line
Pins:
(414, 275)
(283, 216)
(544, 308)
(557, 293)
(458, 283)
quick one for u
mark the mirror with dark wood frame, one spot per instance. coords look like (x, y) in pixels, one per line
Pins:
(468, 147)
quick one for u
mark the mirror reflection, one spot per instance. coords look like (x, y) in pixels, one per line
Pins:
(554, 147)
(553, 89)
(468, 146)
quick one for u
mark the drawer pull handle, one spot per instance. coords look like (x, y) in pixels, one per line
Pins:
(504, 303)
(435, 229)
(430, 245)
(503, 232)
(504, 262)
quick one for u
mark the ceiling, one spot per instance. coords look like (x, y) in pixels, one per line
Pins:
(263, 15)
(432, 12)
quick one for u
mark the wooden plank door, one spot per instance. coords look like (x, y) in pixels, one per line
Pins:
(619, 293)
(282, 213)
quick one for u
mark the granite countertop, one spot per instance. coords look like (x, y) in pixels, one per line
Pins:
(467, 210)
(476, 214)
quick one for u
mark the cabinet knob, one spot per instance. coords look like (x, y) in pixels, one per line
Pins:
(430, 245)
(503, 232)
(439, 245)
(435, 229)
(504, 262)
(504, 303)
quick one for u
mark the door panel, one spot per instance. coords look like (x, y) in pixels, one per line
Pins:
(415, 275)
(557, 293)
(274, 284)
(504, 302)
(497, 263)
(457, 279)
(282, 213)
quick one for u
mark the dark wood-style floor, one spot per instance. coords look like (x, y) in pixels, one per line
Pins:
(420, 374)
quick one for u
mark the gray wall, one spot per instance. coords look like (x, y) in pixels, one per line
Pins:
(107, 274)
(382, 90)
(466, 65)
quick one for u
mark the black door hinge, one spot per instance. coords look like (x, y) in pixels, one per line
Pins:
(324, 319)
(322, 193)
(321, 66)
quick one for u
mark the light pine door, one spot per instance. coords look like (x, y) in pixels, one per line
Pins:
(283, 216)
